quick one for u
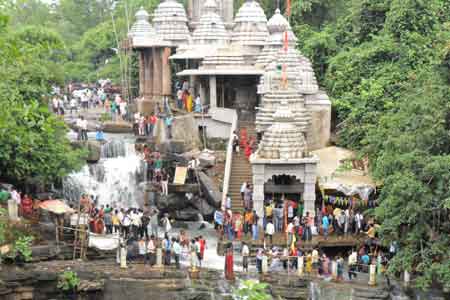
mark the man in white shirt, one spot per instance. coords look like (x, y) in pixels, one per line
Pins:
(270, 230)
(82, 125)
(73, 105)
(352, 261)
(176, 248)
(228, 202)
(243, 187)
(123, 109)
(245, 253)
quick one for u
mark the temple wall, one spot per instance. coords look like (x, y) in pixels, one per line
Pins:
(318, 135)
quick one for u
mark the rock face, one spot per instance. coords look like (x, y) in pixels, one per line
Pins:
(117, 127)
(210, 190)
(94, 149)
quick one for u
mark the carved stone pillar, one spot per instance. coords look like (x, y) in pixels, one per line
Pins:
(309, 192)
(157, 73)
(148, 73)
(213, 91)
(258, 191)
(141, 73)
(166, 72)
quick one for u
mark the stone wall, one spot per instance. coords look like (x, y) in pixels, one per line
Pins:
(318, 135)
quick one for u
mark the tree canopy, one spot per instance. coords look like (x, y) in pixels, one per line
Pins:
(34, 146)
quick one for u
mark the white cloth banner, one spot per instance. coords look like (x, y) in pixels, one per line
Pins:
(103, 242)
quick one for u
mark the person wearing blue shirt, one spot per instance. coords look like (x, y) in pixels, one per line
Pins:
(168, 121)
(99, 135)
(365, 259)
(325, 225)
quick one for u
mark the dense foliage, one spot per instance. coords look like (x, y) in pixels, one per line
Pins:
(385, 64)
(34, 147)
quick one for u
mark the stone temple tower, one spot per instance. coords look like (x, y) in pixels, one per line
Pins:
(196, 8)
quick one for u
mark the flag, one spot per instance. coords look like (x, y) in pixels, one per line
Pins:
(288, 8)
(285, 41)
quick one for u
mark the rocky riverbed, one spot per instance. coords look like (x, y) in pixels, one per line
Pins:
(105, 280)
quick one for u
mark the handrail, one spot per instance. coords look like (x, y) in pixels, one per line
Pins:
(229, 158)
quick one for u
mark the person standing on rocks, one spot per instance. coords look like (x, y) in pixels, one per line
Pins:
(229, 263)
(168, 121)
(167, 247)
(151, 250)
(154, 222)
(165, 183)
(176, 247)
(166, 223)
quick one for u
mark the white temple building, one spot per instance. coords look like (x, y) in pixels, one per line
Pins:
(241, 63)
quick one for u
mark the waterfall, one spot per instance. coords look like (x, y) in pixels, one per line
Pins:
(114, 180)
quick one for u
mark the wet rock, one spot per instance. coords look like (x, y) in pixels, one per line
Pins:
(94, 149)
(205, 209)
(188, 214)
(171, 202)
(117, 127)
(210, 190)
(90, 286)
(207, 159)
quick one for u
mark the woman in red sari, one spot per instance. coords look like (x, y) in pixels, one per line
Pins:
(27, 206)
(229, 264)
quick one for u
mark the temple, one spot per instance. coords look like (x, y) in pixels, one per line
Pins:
(249, 64)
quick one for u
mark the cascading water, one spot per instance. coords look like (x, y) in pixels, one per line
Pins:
(114, 180)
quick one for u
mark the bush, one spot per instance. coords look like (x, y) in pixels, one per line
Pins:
(68, 281)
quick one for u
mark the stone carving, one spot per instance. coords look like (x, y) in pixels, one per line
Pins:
(211, 28)
(170, 22)
(250, 25)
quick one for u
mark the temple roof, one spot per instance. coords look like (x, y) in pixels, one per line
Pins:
(170, 22)
(282, 140)
(277, 26)
(211, 28)
(142, 32)
(250, 25)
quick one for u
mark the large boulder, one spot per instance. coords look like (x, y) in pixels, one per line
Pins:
(94, 149)
(207, 159)
(205, 209)
(117, 127)
(210, 190)
(171, 202)
(188, 214)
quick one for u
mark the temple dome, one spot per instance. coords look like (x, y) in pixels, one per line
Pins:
(211, 28)
(142, 27)
(250, 25)
(170, 22)
(277, 26)
(282, 140)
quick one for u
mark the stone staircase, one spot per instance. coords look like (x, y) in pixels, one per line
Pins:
(241, 170)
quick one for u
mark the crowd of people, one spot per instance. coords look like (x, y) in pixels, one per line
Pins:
(317, 262)
(140, 230)
(185, 100)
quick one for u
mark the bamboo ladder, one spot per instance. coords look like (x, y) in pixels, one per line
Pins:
(80, 239)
